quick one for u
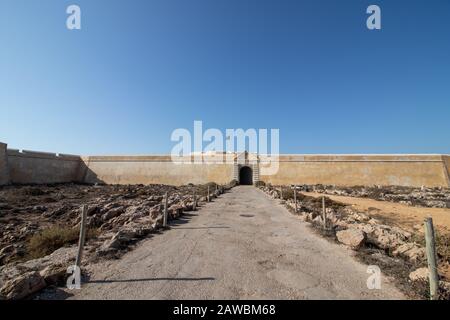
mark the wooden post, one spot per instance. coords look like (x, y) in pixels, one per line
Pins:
(166, 203)
(281, 193)
(84, 209)
(217, 189)
(207, 196)
(295, 198)
(324, 213)
(431, 257)
(194, 207)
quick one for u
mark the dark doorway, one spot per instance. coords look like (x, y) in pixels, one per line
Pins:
(246, 176)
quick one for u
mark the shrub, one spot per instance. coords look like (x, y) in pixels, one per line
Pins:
(260, 184)
(233, 183)
(51, 239)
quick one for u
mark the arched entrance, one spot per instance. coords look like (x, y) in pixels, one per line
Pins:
(246, 176)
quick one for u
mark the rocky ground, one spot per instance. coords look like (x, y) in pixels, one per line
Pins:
(424, 197)
(39, 226)
(398, 251)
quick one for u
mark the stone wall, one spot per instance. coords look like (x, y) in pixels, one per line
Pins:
(4, 170)
(406, 170)
(446, 161)
(152, 169)
(30, 167)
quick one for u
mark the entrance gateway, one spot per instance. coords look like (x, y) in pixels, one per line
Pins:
(246, 176)
(246, 168)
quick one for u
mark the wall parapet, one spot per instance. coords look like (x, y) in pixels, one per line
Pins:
(37, 167)
(4, 167)
(42, 155)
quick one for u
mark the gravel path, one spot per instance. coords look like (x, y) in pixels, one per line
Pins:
(244, 245)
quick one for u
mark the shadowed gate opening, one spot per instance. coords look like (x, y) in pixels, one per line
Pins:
(246, 176)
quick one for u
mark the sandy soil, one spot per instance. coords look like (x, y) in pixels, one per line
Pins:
(395, 213)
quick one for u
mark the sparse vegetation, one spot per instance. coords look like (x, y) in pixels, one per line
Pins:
(51, 239)
(259, 184)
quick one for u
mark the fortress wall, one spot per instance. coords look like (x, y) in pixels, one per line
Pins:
(30, 167)
(24, 167)
(446, 160)
(406, 170)
(4, 169)
(152, 169)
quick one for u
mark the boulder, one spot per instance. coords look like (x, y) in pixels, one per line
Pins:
(154, 212)
(410, 251)
(420, 274)
(318, 220)
(22, 286)
(112, 213)
(17, 280)
(353, 238)
(54, 274)
(385, 237)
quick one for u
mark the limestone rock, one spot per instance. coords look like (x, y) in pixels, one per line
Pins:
(353, 238)
(411, 251)
(112, 213)
(420, 274)
(22, 286)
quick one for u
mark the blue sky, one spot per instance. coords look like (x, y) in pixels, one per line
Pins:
(140, 69)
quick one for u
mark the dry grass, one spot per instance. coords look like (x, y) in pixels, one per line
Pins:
(442, 250)
(51, 239)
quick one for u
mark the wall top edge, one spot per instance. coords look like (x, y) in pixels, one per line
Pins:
(283, 157)
(40, 154)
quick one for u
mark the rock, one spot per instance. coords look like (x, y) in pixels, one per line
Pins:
(411, 251)
(366, 228)
(92, 210)
(318, 220)
(22, 286)
(353, 238)
(374, 221)
(112, 213)
(385, 237)
(154, 212)
(30, 276)
(176, 210)
(57, 212)
(331, 217)
(54, 274)
(420, 274)
(124, 236)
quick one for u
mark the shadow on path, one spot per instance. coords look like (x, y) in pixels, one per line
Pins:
(153, 279)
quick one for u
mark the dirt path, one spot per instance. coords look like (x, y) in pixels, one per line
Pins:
(395, 213)
(244, 245)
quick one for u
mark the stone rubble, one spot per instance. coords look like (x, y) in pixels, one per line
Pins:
(357, 229)
(121, 214)
(437, 197)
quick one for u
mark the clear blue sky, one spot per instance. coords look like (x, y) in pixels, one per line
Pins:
(140, 69)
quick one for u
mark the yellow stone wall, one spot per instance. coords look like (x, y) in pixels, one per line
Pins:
(406, 170)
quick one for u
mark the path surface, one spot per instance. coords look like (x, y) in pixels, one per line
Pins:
(244, 245)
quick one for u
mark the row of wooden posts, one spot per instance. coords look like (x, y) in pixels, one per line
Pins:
(429, 235)
(84, 210)
(324, 213)
(430, 242)
(195, 202)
